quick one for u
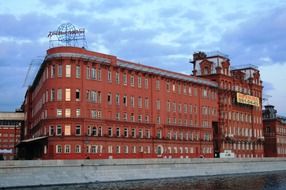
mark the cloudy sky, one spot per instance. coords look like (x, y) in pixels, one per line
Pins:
(162, 33)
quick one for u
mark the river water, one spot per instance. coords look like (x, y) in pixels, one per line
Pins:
(257, 181)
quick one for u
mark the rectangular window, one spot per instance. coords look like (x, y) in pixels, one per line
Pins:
(132, 101)
(185, 108)
(67, 148)
(125, 100)
(117, 78)
(157, 84)
(146, 103)
(158, 120)
(168, 86)
(93, 73)
(168, 106)
(110, 131)
(140, 132)
(77, 113)
(124, 79)
(93, 96)
(146, 83)
(68, 71)
(77, 71)
(133, 133)
(94, 131)
(77, 94)
(117, 99)
(179, 89)
(158, 104)
(53, 69)
(59, 113)
(132, 117)
(67, 130)
(59, 94)
(118, 132)
(94, 149)
(117, 116)
(51, 131)
(68, 112)
(110, 149)
(98, 97)
(99, 74)
(87, 72)
(118, 149)
(134, 149)
(125, 132)
(139, 102)
(109, 98)
(139, 82)
(58, 148)
(148, 133)
(68, 94)
(52, 94)
(147, 118)
(125, 118)
(205, 93)
(77, 148)
(59, 130)
(78, 130)
(139, 118)
(93, 114)
(99, 114)
(109, 76)
(60, 70)
(132, 81)
(174, 106)
(126, 149)
(159, 134)
(184, 89)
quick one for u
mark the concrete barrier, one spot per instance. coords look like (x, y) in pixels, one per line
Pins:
(55, 172)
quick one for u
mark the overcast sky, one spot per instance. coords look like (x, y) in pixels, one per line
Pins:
(162, 33)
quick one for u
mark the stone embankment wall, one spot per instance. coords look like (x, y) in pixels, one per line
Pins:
(54, 172)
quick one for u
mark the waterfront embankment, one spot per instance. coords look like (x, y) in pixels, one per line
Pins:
(56, 172)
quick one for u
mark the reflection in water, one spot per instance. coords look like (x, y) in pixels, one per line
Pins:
(265, 181)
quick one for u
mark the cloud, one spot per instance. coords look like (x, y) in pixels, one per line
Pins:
(262, 36)
(29, 26)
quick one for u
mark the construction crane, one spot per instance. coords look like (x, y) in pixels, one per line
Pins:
(265, 98)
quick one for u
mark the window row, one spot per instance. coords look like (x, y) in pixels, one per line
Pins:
(126, 149)
(241, 131)
(66, 130)
(243, 117)
(242, 146)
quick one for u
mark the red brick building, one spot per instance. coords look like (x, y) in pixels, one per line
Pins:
(10, 123)
(240, 129)
(84, 104)
(274, 132)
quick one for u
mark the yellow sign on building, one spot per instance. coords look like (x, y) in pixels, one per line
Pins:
(247, 99)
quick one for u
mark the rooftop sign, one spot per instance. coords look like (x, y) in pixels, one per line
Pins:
(68, 35)
(247, 99)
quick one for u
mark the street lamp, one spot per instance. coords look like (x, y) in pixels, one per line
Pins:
(15, 136)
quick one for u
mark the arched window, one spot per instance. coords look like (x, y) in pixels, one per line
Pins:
(160, 149)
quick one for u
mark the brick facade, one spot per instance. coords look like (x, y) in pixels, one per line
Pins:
(85, 104)
(10, 123)
(274, 132)
(240, 129)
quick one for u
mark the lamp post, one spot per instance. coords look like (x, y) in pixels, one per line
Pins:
(17, 124)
